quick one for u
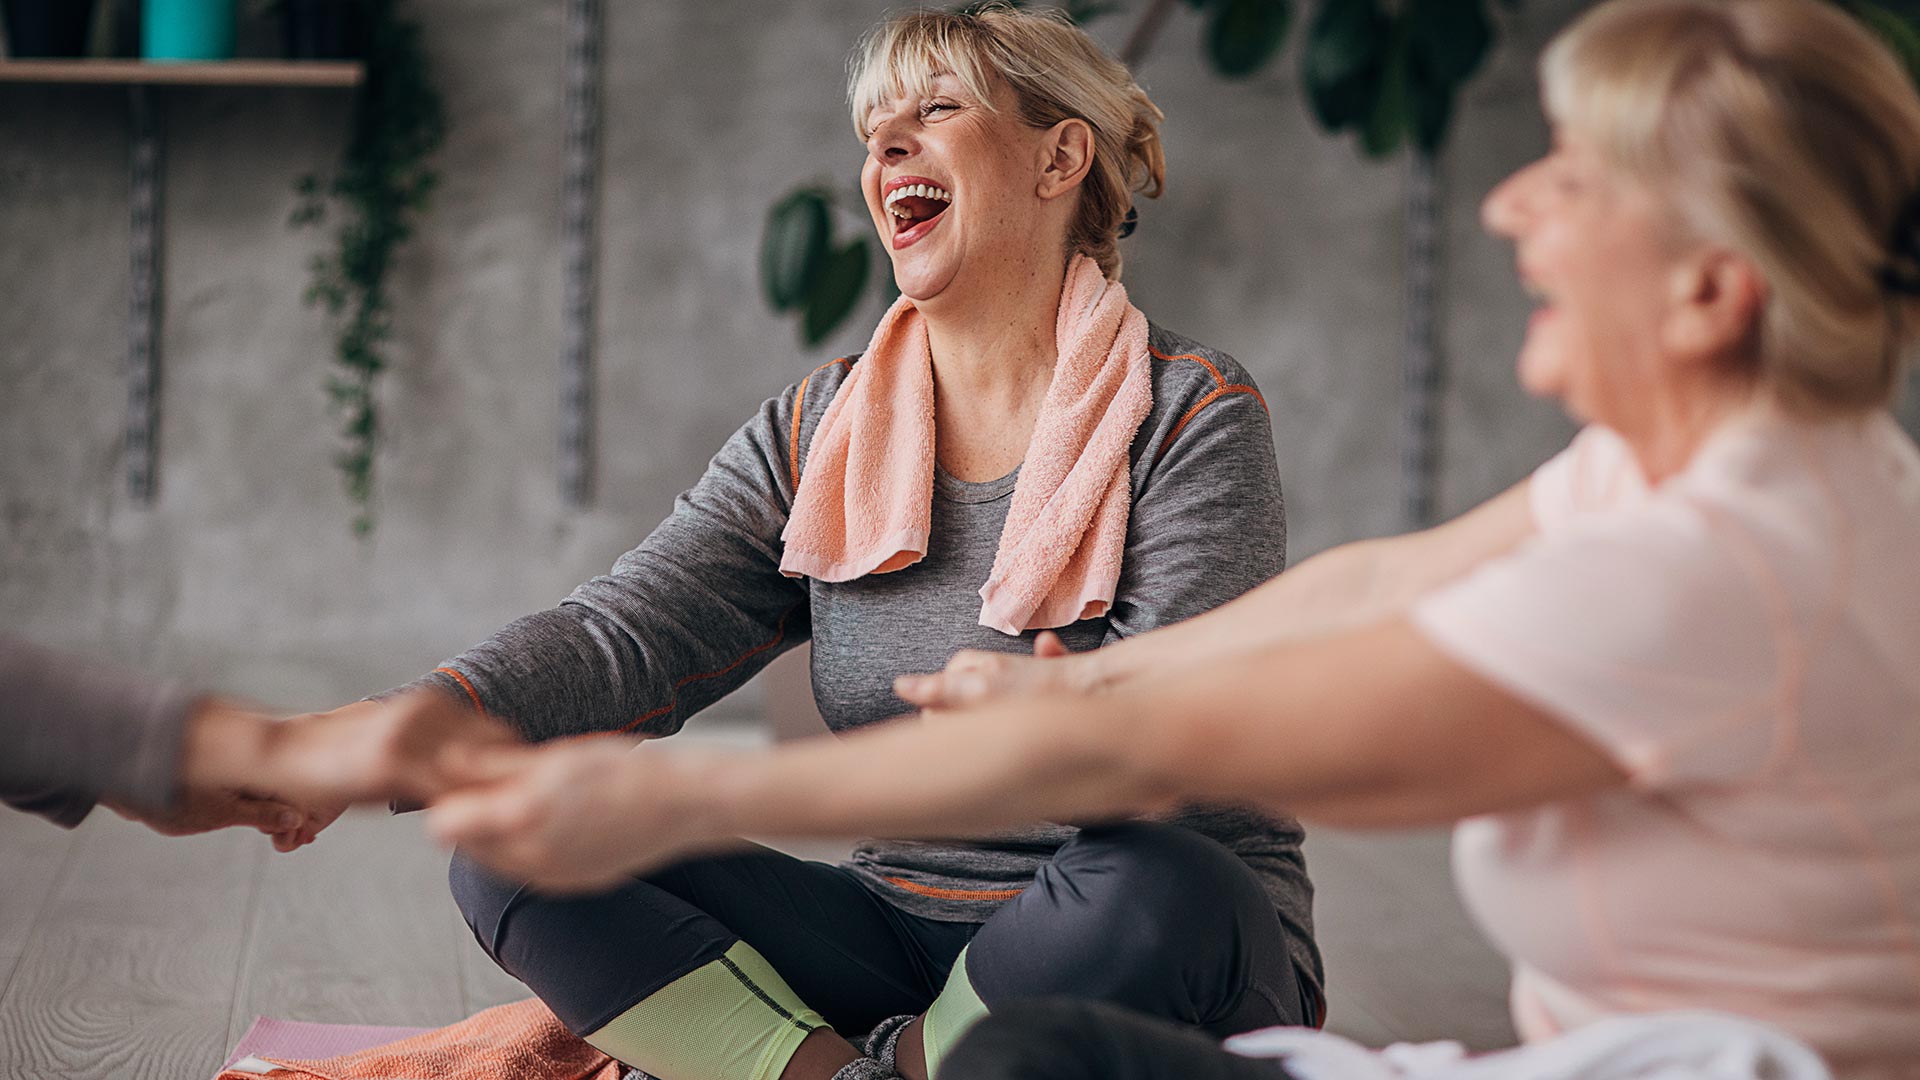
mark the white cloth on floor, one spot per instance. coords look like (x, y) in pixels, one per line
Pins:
(1656, 1046)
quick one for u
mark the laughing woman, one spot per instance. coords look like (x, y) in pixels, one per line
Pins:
(1017, 450)
(1666, 685)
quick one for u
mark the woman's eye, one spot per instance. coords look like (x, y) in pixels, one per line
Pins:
(932, 107)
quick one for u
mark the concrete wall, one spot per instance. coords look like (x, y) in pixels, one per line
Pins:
(1273, 242)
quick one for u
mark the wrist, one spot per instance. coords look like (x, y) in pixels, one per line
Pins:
(704, 792)
(225, 745)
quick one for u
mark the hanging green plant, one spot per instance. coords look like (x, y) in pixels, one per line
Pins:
(382, 184)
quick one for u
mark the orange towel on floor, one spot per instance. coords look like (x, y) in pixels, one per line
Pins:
(521, 1041)
(865, 501)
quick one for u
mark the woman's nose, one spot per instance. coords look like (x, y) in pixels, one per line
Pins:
(890, 142)
(1504, 211)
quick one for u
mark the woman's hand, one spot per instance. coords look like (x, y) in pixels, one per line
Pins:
(198, 811)
(576, 816)
(975, 676)
(317, 764)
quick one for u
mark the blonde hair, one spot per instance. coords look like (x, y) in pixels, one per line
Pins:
(1783, 131)
(1056, 73)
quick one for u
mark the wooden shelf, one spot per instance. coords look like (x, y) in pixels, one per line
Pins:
(319, 73)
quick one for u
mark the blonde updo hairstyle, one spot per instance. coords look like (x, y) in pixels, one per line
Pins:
(1056, 73)
(1782, 131)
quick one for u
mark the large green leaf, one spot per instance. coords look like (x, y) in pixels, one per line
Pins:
(794, 248)
(1449, 37)
(835, 291)
(1244, 34)
(1341, 66)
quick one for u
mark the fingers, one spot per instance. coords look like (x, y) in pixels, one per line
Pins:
(264, 815)
(1048, 646)
(478, 818)
(923, 690)
(305, 828)
(480, 765)
(969, 677)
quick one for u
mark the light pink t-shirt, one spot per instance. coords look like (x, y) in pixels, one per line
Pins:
(1744, 641)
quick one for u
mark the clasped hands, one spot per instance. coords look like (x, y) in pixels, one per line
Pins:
(574, 814)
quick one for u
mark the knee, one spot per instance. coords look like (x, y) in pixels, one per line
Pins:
(1161, 889)
(483, 898)
(1153, 917)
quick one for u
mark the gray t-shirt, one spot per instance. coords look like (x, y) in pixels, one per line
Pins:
(701, 605)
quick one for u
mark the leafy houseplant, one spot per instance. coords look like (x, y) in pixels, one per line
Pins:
(382, 184)
(803, 270)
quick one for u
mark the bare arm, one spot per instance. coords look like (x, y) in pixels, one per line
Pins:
(1354, 585)
(1366, 727)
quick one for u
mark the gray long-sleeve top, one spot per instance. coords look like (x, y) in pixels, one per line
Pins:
(73, 732)
(701, 605)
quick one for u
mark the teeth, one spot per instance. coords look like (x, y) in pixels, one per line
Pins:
(917, 191)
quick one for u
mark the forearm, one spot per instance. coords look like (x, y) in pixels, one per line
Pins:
(1336, 587)
(1044, 760)
(1367, 728)
(1342, 589)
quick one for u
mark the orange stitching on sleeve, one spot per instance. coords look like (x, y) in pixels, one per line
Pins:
(955, 894)
(464, 685)
(1237, 388)
(1218, 379)
(1221, 388)
(673, 700)
(793, 440)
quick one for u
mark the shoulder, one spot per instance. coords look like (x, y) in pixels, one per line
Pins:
(1197, 389)
(1187, 373)
(800, 406)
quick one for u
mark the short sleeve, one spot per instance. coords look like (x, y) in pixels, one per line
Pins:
(1595, 471)
(1638, 630)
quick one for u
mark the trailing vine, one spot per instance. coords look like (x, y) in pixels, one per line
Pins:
(382, 184)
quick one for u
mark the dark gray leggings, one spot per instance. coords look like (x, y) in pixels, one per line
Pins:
(1154, 917)
(1059, 1039)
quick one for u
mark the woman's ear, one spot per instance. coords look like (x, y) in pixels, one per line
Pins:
(1716, 304)
(1069, 155)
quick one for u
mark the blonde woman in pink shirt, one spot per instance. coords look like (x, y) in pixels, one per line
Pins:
(1669, 686)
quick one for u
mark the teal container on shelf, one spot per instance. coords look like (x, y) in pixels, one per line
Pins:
(187, 29)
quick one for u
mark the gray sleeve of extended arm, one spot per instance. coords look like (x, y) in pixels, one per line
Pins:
(680, 621)
(75, 731)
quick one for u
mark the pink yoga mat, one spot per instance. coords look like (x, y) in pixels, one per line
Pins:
(269, 1038)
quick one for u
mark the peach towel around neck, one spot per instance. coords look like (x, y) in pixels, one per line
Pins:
(521, 1041)
(865, 501)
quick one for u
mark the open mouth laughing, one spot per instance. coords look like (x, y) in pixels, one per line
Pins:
(915, 206)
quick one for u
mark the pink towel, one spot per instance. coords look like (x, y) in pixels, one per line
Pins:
(865, 501)
(521, 1041)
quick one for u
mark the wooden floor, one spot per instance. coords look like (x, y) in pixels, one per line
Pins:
(124, 955)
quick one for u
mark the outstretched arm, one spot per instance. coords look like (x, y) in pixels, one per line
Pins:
(1365, 727)
(1351, 586)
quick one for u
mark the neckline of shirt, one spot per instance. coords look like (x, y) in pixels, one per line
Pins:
(953, 489)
